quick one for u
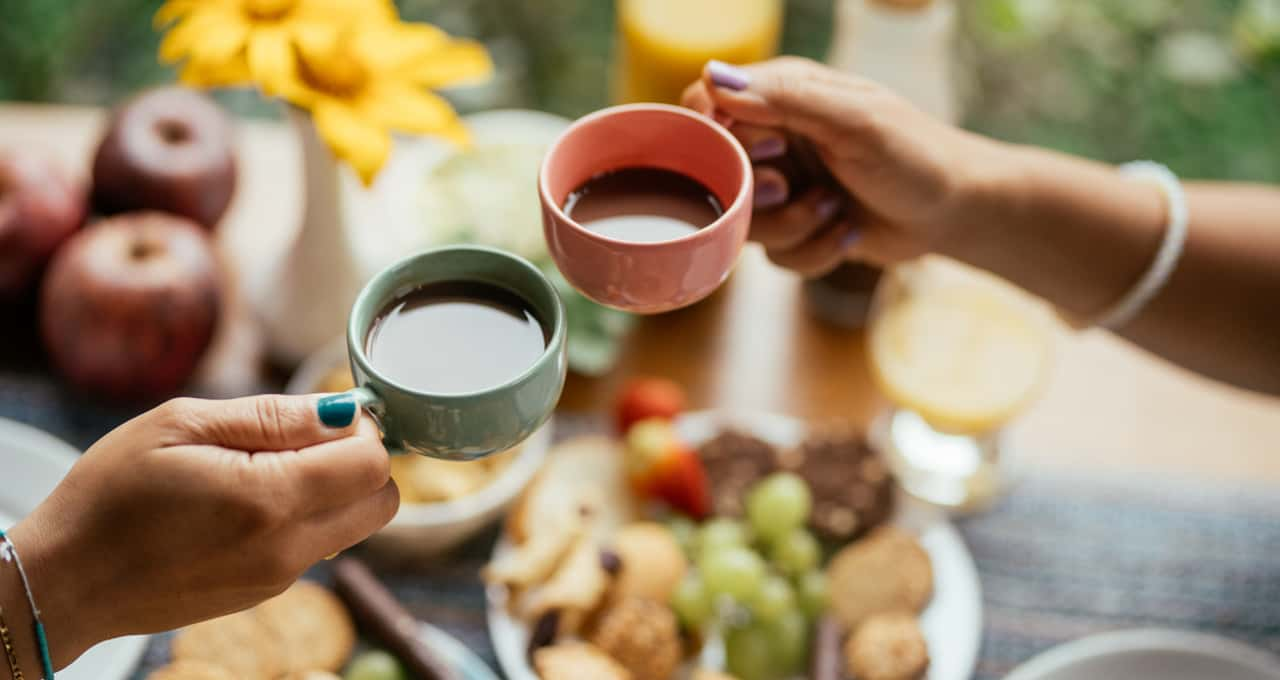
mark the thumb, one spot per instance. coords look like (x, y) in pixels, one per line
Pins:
(788, 92)
(269, 422)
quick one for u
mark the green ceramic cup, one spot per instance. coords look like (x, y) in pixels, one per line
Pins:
(459, 426)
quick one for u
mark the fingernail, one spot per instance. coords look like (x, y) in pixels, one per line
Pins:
(728, 76)
(769, 194)
(769, 147)
(827, 208)
(850, 238)
(337, 410)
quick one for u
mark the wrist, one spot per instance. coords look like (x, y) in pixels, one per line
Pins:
(992, 192)
(63, 611)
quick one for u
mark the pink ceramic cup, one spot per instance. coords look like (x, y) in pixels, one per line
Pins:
(646, 277)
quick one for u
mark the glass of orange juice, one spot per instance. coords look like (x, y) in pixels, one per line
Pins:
(959, 353)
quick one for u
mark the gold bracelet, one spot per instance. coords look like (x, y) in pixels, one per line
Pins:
(9, 654)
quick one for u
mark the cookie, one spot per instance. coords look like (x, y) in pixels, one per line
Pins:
(886, 571)
(240, 643)
(735, 462)
(852, 489)
(652, 563)
(191, 670)
(576, 661)
(887, 646)
(312, 625)
(640, 634)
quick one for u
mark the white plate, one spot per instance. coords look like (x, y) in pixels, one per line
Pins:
(1163, 654)
(33, 463)
(952, 623)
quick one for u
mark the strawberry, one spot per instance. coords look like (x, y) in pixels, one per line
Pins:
(645, 398)
(661, 467)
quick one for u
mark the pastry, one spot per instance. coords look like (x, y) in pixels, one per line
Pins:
(640, 634)
(574, 590)
(577, 661)
(852, 489)
(241, 643)
(734, 463)
(886, 571)
(582, 482)
(191, 670)
(651, 562)
(887, 646)
(314, 629)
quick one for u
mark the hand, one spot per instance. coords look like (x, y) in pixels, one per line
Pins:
(197, 509)
(905, 177)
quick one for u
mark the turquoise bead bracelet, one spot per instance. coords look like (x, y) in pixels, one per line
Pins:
(9, 553)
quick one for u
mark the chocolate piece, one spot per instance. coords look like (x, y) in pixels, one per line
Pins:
(852, 489)
(824, 657)
(734, 463)
(382, 617)
(544, 632)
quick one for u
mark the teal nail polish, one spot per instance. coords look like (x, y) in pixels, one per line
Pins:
(337, 410)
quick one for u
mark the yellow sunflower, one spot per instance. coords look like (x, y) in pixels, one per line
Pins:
(233, 42)
(364, 80)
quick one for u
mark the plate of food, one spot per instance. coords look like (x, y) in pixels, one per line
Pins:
(442, 503)
(33, 463)
(310, 632)
(717, 545)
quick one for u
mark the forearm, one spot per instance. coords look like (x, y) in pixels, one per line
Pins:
(1080, 235)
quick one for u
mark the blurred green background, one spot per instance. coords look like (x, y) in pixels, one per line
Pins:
(1193, 83)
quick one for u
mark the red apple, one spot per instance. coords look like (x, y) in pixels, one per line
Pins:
(40, 205)
(168, 149)
(130, 303)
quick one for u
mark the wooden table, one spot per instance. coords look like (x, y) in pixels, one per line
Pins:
(753, 345)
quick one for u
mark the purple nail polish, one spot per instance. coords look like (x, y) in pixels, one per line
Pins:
(769, 147)
(828, 208)
(728, 76)
(769, 194)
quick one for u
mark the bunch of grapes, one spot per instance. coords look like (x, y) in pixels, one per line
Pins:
(760, 583)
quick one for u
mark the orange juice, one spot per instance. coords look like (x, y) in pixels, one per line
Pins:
(961, 349)
(663, 44)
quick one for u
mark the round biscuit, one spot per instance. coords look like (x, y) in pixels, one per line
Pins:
(240, 643)
(312, 625)
(886, 571)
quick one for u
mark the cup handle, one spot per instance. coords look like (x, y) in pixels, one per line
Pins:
(372, 404)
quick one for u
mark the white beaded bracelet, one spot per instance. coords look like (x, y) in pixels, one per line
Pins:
(1166, 259)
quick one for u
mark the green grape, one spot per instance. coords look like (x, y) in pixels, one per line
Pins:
(774, 599)
(812, 588)
(796, 552)
(789, 642)
(778, 504)
(375, 665)
(733, 571)
(721, 533)
(750, 653)
(692, 603)
(686, 533)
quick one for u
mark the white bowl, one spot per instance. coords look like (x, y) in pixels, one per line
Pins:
(427, 529)
(1163, 654)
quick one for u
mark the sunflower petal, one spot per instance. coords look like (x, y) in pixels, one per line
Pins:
(205, 76)
(220, 43)
(353, 138)
(271, 60)
(394, 46)
(460, 61)
(376, 10)
(182, 39)
(171, 11)
(404, 108)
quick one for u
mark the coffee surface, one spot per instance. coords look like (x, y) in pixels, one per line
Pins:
(643, 205)
(455, 337)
